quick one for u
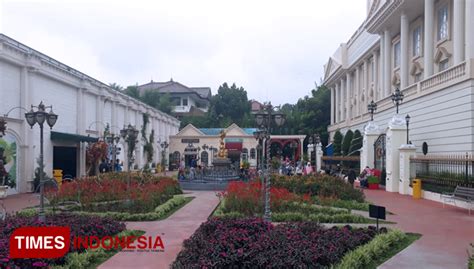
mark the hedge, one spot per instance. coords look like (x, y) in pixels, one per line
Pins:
(364, 255)
(160, 211)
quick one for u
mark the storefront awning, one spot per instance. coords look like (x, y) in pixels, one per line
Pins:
(233, 146)
(57, 136)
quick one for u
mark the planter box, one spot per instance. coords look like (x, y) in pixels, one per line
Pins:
(373, 186)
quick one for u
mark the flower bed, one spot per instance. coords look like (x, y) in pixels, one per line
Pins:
(246, 200)
(79, 225)
(319, 185)
(110, 192)
(250, 243)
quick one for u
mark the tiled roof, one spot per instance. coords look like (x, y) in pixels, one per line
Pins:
(176, 87)
(216, 131)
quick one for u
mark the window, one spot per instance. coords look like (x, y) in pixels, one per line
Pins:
(443, 65)
(205, 158)
(252, 153)
(417, 41)
(176, 101)
(442, 23)
(185, 101)
(396, 54)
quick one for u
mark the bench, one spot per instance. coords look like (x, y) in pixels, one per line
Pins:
(464, 194)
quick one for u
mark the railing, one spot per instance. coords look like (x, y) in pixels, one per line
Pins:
(442, 173)
(343, 163)
(444, 76)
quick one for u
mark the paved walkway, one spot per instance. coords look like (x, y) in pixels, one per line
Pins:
(446, 232)
(17, 202)
(173, 231)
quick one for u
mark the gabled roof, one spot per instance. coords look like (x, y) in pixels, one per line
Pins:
(190, 130)
(176, 87)
(216, 131)
(331, 67)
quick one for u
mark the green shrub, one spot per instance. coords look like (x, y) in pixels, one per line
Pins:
(232, 215)
(366, 254)
(344, 204)
(373, 180)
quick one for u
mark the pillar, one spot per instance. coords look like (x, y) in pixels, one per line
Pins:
(375, 61)
(469, 30)
(356, 92)
(458, 30)
(381, 68)
(371, 133)
(337, 102)
(318, 155)
(333, 96)
(25, 160)
(301, 149)
(80, 109)
(82, 158)
(406, 151)
(343, 100)
(428, 40)
(365, 86)
(404, 41)
(99, 114)
(387, 62)
(396, 136)
(348, 98)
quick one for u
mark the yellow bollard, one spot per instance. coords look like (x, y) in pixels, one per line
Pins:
(416, 184)
(58, 176)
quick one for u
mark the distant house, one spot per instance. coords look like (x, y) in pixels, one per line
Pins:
(187, 101)
(255, 106)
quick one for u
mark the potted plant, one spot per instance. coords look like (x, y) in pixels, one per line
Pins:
(373, 182)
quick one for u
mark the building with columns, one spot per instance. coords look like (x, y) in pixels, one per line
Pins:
(426, 49)
(84, 106)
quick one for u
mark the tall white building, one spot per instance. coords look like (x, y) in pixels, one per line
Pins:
(426, 49)
(84, 105)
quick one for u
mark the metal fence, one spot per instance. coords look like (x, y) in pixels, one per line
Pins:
(442, 173)
(344, 163)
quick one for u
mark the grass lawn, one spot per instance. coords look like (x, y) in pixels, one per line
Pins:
(401, 245)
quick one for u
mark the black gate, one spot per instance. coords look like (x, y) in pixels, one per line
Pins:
(379, 157)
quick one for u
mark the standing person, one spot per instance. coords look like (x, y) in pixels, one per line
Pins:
(309, 168)
(351, 177)
(103, 167)
(118, 166)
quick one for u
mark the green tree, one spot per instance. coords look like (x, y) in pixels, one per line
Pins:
(230, 102)
(151, 98)
(346, 142)
(132, 91)
(116, 86)
(356, 144)
(165, 103)
(337, 143)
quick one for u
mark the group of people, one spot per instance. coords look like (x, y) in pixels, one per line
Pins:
(299, 168)
(108, 166)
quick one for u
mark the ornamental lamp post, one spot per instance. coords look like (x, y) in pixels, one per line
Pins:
(40, 116)
(113, 140)
(164, 145)
(397, 98)
(129, 134)
(264, 119)
(407, 120)
(372, 107)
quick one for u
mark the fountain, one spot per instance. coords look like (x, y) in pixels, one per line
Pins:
(218, 176)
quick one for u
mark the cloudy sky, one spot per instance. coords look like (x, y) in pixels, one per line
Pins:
(274, 49)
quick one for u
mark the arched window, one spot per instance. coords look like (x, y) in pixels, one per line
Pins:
(205, 158)
(253, 153)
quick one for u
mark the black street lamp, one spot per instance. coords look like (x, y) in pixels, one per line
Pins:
(372, 107)
(40, 116)
(264, 119)
(407, 120)
(129, 134)
(397, 98)
(113, 140)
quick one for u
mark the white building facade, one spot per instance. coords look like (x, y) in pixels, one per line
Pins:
(84, 106)
(426, 49)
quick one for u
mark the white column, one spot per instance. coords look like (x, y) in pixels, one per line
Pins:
(80, 115)
(333, 113)
(404, 38)
(365, 86)
(428, 41)
(356, 92)
(380, 86)
(406, 151)
(469, 30)
(387, 62)
(371, 133)
(343, 100)
(100, 115)
(337, 102)
(114, 115)
(458, 30)
(396, 136)
(318, 155)
(375, 61)
(348, 96)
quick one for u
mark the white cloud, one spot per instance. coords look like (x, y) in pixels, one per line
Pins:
(275, 49)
